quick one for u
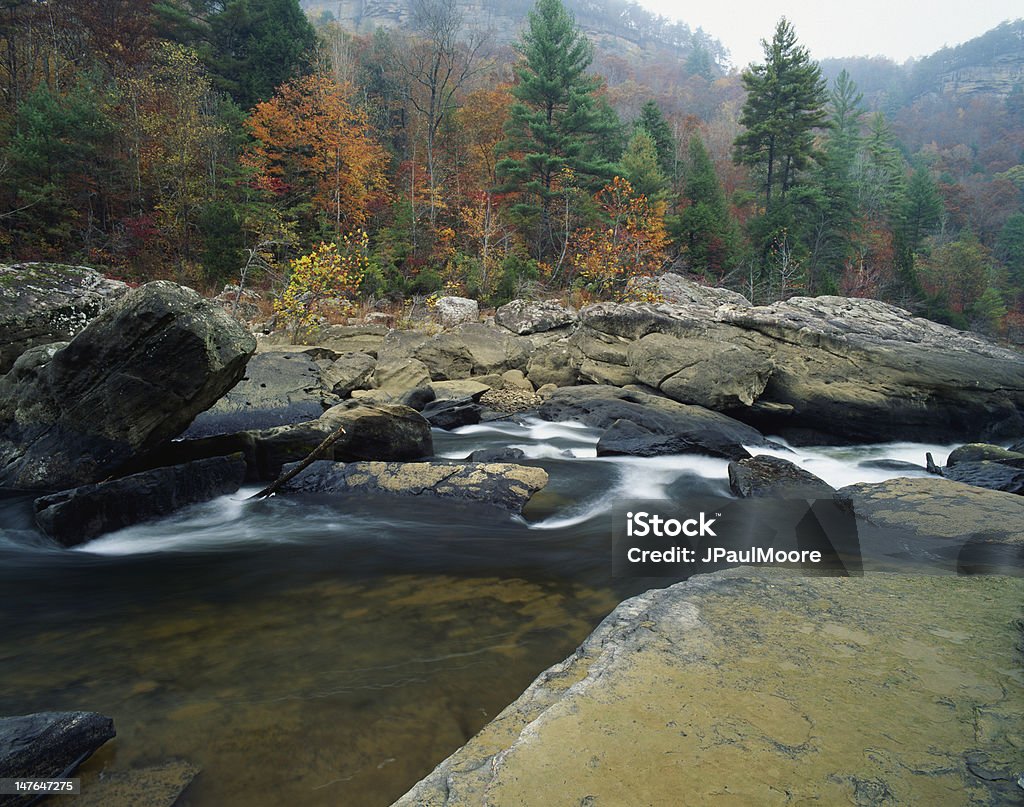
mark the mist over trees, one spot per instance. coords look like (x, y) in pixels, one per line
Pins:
(199, 140)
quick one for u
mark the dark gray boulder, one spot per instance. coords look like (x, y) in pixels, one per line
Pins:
(48, 302)
(134, 378)
(508, 487)
(75, 516)
(279, 388)
(48, 745)
(452, 413)
(765, 475)
(372, 432)
(1005, 476)
(601, 406)
(417, 398)
(497, 455)
(891, 465)
(626, 438)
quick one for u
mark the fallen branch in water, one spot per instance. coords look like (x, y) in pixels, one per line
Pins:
(312, 457)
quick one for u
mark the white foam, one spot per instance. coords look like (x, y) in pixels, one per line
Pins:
(839, 465)
(201, 526)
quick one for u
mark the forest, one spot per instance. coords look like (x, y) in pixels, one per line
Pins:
(222, 142)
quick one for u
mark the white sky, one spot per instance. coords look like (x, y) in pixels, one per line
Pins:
(899, 29)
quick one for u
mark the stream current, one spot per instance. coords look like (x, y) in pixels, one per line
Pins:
(311, 650)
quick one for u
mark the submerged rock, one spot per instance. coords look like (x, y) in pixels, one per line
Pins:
(134, 378)
(48, 745)
(42, 303)
(152, 786)
(75, 516)
(749, 687)
(765, 475)
(501, 485)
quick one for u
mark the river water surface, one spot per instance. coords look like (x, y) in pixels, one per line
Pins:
(312, 650)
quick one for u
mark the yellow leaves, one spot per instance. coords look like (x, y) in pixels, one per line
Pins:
(633, 245)
(328, 276)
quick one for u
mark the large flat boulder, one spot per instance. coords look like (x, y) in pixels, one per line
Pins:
(48, 745)
(859, 370)
(134, 378)
(42, 303)
(766, 688)
(75, 516)
(871, 371)
(496, 484)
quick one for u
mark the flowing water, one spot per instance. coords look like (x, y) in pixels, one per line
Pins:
(312, 650)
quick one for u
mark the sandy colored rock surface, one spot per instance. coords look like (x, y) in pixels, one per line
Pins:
(763, 689)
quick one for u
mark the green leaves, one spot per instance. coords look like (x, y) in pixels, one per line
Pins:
(556, 124)
(785, 104)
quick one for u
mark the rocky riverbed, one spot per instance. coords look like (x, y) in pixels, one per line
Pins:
(497, 450)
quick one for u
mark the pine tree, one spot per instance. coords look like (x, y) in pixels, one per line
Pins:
(705, 232)
(830, 205)
(250, 47)
(640, 165)
(922, 208)
(555, 127)
(653, 121)
(785, 104)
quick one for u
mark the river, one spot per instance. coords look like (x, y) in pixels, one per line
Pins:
(309, 650)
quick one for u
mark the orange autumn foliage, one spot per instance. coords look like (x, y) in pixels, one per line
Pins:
(314, 145)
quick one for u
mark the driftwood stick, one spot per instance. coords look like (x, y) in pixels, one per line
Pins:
(313, 455)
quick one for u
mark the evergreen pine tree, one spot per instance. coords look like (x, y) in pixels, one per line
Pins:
(250, 47)
(653, 121)
(922, 208)
(830, 203)
(640, 165)
(705, 232)
(785, 104)
(556, 127)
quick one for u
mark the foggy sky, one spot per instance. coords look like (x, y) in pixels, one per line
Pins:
(899, 29)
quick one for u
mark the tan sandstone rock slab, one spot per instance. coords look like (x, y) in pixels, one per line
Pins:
(762, 689)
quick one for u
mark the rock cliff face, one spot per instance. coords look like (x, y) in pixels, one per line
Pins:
(616, 27)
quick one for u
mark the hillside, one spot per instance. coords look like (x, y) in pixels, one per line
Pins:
(618, 27)
(991, 65)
